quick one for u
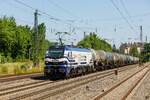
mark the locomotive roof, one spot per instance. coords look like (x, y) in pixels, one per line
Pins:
(73, 48)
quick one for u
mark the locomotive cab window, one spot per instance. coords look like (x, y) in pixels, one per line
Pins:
(56, 52)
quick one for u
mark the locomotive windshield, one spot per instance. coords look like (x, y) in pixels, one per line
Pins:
(56, 52)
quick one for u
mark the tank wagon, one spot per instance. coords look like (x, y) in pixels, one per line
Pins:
(68, 61)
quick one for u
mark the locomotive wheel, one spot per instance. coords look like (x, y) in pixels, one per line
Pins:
(83, 70)
(92, 68)
(72, 73)
(67, 76)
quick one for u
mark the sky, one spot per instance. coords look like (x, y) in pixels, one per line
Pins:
(116, 21)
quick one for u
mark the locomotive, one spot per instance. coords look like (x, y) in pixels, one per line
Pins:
(68, 61)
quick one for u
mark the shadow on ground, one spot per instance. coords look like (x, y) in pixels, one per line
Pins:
(46, 78)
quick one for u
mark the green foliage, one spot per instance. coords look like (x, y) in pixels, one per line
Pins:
(4, 69)
(134, 52)
(25, 67)
(147, 47)
(7, 31)
(17, 70)
(42, 31)
(16, 41)
(22, 38)
(94, 42)
(20, 68)
(146, 53)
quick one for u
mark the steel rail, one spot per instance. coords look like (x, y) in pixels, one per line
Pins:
(108, 73)
(118, 84)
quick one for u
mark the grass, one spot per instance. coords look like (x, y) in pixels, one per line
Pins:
(19, 68)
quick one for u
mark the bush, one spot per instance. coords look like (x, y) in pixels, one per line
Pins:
(17, 70)
(25, 67)
(3, 59)
(9, 59)
(4, 69)
(0, 58)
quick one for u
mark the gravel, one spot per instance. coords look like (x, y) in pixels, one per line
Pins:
(16, 83)
(88, 91)
(120, 91)
(142, 91)
(84, 92)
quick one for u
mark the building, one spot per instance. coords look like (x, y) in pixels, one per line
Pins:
(126, 47)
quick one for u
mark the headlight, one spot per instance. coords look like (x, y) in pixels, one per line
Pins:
(49, 70)
(65, 62)
(46, 62)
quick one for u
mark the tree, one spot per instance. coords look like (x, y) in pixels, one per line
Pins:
(94, 42)
(16, 41)
(134, 51)
(41, 33)
(7, 31)
(38, 43)
(146, 52)
(22, 42)
(147, 47)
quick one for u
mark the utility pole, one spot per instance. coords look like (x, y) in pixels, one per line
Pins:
(146, 39)
(84, 34)
(141, 34)
(96, 30)
(36, 40)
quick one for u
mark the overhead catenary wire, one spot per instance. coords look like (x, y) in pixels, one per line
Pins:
(66, 11)
(126, 11)
(63, 9)
(122, 15)
(28, 6)
(67, 22)
(19, 19)
(32, 8)
(114, 18)
(25, 21)
(58, 19)
(41, 12)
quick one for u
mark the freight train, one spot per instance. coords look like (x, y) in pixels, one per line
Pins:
(68, 61)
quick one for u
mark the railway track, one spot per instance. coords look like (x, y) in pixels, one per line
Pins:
(131, 89)
(107, 92)
(23, 87)
(17, 77)
(48, 89)
(66, 84)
